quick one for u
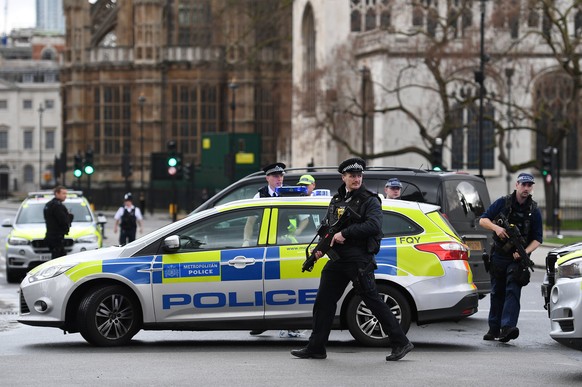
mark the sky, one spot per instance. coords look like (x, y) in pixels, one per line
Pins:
(21, 13)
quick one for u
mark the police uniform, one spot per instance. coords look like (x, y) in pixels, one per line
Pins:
(266, 191)
(58, 222)
(505, 284)
(354, 262)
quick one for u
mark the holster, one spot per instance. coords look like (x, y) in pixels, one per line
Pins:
(365, 281)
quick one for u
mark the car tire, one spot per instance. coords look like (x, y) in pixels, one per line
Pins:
(109, 316)
(364, 326)
(13, 276)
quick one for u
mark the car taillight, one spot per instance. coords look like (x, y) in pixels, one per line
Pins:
(446, 251)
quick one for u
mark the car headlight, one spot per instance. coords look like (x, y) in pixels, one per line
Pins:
(17, 241)
(87, 239)
(50, 272)
(570, 269)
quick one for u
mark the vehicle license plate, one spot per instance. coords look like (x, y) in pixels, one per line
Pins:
(45, 257)
(475, 245)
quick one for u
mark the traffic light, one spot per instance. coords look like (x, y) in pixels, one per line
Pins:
(57, 167)
(437, 155)
(88, 168)
(173, 160)
(126, 166)
(78, 169)
(547, 161)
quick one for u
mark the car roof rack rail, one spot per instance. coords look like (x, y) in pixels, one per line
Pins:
(334, 168)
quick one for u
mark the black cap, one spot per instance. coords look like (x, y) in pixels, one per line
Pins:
(354, 164)
(275, 168)
(128, 196)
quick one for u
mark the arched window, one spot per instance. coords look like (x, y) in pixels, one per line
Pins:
(558, 117)
(309, 60)
(48, 53)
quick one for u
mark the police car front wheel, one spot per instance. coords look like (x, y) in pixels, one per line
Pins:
(109, 316)
(364, 326)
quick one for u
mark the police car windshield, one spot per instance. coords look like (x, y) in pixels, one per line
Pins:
(32, 213)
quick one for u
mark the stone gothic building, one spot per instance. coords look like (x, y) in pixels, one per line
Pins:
(391, 79)
(139, 73)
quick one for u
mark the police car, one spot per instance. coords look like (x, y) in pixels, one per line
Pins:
(562, 291)
(25, 246)
(195, 274)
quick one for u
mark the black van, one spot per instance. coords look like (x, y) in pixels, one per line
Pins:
(461, 196)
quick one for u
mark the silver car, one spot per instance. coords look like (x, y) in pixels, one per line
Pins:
(25, 245)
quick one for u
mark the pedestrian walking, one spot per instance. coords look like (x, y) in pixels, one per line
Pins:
(128, 218)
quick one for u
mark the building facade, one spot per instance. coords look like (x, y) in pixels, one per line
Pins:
(30, 112)
(392, 79)
(137, 74)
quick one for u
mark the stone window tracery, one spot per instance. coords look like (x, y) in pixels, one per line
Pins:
(369, 15)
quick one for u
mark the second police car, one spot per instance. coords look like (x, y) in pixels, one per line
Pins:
(562, 292)
(195, 275)
(25, 246)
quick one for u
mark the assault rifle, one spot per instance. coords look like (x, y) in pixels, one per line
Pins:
(326, 233)
(517, 240)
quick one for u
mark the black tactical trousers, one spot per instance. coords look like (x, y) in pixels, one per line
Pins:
(335, 277)
(56, 246)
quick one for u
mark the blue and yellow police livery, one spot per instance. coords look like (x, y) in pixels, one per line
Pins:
(238, 267)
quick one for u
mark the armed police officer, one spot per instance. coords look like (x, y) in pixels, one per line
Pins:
(507, 275)
(354, 248)
(58, 222)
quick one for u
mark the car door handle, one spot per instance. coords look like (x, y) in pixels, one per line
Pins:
(241, 262)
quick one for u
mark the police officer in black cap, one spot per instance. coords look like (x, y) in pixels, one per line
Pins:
(274, 174)
(354, 248)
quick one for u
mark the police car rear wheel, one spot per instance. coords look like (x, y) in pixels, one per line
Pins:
(109, 316)
(364, 326)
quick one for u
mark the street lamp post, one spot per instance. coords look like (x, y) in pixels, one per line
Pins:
(40, 111)
(480, 79)
(365, 73)
(509, 74)
(233, 86)
(141, 100)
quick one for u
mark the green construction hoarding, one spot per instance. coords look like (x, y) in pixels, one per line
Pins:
(227, 157)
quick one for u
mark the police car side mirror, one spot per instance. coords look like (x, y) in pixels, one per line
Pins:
(7, 222)
(172, 244)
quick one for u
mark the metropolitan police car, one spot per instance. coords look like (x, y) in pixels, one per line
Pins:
(195, 274)
(25, 246)
(562, 291)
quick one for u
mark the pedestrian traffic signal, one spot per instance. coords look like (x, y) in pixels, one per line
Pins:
(78, 169)
(547, 161)
(88, 168)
